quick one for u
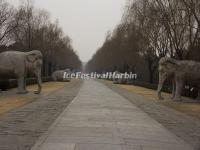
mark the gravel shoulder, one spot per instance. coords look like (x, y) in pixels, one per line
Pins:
(21, 127)
(181, 124)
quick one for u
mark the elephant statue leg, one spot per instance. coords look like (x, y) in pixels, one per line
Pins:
(39, 80)
(25, 86)
(162, 78)
(179, 87)
(198, 96)
(173, 88)
(21, 89)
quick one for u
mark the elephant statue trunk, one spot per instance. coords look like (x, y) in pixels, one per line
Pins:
(39, 81)
(166, 69)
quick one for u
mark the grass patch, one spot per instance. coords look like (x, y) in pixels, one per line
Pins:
(192, 109)
(10, 101)
(47, 86)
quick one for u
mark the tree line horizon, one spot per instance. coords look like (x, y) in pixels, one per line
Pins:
(25, 28)
(149, 30)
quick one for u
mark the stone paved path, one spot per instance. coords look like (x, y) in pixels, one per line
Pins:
(182, 125)
(100, 119)
(21, 127)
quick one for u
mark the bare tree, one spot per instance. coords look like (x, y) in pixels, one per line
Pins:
(7, 22)
(36, 31)
(151, 29)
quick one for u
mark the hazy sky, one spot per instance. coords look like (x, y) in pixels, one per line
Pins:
(85, 21)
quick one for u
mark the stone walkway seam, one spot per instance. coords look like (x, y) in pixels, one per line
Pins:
(45, 135)
(100, 119)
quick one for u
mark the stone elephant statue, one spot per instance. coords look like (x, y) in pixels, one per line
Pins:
(166, 70)
(59, 75)
(180, 71)
(20, 64)
(115, 73)
(116, 77)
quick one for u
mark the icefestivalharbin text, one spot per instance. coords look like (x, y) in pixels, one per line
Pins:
(95, 75)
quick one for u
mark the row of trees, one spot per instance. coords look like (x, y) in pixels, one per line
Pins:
(26, 28)
(149, 30)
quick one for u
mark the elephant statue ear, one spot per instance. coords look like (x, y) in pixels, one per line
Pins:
(166, 60)
(31, 57)
(172, 61)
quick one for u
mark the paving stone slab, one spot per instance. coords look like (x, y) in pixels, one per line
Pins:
(100, 119)
(105, 147)
(21, 128)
